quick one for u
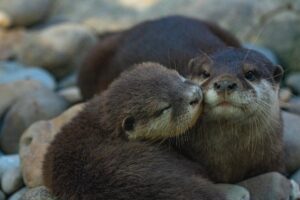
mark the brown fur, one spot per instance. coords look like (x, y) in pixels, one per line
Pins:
(235, 143)
(170, 41)
(90, 159)
(231, 149)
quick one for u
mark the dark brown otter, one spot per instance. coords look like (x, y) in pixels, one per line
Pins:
(240, 133)
(170, 41)
(91, 158)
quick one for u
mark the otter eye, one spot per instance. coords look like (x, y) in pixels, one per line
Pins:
(250, 75)
(163, 110)
(128, 124)
(205, 74)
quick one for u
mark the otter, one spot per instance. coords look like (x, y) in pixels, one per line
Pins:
(114, 149)
(235, 139)
(240, 132)
(171, 41)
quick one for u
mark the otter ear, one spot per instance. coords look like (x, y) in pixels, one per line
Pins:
(278, 73)
(195, 63)
(128, 124)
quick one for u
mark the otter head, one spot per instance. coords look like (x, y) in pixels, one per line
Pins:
(152, 102)
(237, 84)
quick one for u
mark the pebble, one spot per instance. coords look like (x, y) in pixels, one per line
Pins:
(293, 81)
(296, 176)
(19, 194)
(35, 141)
(12, 91)
(10, 39)
(58, 49)
(68, 81)
(13, 71)
(38, 193)
(23, 12)
(12, 180)
(71, 94)
(269, 186)
(285, 94)
(37, 105)
(8, 162)
(234, 192)
(2, 196)
(291, 137)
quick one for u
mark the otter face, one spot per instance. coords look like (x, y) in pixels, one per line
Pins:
(155, 103)
(237, 84)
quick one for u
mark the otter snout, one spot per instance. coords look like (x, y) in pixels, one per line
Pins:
(194, 96)
(227, 85)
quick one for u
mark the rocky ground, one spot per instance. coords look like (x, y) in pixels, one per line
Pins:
(42, 43)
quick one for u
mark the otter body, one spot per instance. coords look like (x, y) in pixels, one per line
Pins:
(239, 135)
(98, 154)
(170, 41)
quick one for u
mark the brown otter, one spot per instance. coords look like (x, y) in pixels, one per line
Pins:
(91, 159)
(171, 41)
(235, 139)
(240, 133)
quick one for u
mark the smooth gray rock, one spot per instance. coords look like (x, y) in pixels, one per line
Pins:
(2, 196)
(58, 49)
(269, 186)
(293, 81)
(11, 92)
(68, 81)
(23, 12)
(234, 192)
(12, 180)
(71, 94)
(13, 71)
(296, 176)
(38, 193)
(8, 162)
(38, 105)
(291, 137)
(19, 194)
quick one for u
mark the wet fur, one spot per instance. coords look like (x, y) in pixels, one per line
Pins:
(171, 41)
(91, 159)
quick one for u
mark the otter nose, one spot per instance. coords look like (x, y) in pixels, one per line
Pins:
(225, 85)
(195, 95)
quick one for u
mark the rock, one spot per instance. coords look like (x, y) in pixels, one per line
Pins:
(19, 194)
(12, 180)
(295, 194)
(2, 196)
(291, 107)
(59, 49)
(12, 71)
(296, 176)
(23, 12)
(8, 162)
(38, 193)
(71, 94)
(254, 21)
(269, 186)
(264, 51)
(291, 137)
(12, 91)
(37, 105)
(285, 94)
(68, 81)
(234, 192)
(10, 39)
(293, 81)
(34, 143)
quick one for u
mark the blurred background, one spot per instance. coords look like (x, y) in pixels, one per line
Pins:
(42, 43)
